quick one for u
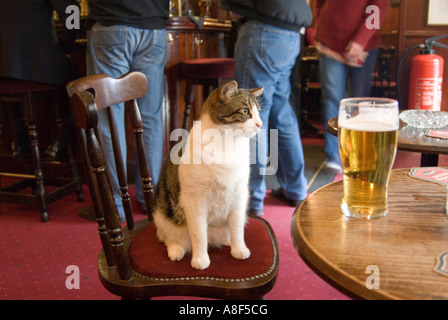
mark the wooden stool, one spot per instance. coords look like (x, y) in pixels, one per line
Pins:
(205, 72)
(383, 84)
(310, 90)
(26, 94)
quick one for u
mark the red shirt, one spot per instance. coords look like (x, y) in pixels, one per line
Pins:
(340, 21)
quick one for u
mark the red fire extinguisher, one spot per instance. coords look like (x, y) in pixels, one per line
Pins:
(426, 76)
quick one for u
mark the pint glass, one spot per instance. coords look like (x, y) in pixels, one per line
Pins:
(367, 138)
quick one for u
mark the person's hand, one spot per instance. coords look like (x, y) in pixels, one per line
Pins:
(353, 50)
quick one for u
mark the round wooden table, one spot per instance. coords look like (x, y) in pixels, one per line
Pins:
(411, 139)
(401, 248)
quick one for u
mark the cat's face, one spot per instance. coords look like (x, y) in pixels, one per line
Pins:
(236, 110)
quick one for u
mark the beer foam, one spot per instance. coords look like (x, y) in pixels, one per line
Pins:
(368, 122)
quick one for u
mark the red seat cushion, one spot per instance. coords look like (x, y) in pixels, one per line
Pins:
(149, 257)
(208, 68)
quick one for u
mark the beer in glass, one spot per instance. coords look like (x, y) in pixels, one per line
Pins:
(367, 138)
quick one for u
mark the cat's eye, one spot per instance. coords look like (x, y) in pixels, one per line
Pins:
(245, 111)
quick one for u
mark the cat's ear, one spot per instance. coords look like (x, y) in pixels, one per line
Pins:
(257, 92)
(228, 90)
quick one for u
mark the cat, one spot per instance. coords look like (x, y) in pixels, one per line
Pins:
(201, 202)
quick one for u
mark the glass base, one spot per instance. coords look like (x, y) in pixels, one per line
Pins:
(360, 212)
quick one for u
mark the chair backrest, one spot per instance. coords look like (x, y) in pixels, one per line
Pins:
(85, 104)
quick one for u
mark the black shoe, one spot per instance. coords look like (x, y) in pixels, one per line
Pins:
(255, 213)
(278, 194)
(54, 152)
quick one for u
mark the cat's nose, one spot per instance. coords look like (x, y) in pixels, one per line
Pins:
(259, 123)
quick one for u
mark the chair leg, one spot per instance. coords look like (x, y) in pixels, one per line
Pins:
(40, 192)
(65, 128)
(189, 98)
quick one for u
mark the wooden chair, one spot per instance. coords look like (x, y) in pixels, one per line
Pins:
(133, 264)
(205, 72)
(108, 92)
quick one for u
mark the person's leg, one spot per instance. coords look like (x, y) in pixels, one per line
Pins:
(150, 58)
(333, 78)
(360, 79)
(291, 161)
(247, 74)
(264, 56)
(109, 51)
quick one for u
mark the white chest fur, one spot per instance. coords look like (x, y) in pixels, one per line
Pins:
(214, 169)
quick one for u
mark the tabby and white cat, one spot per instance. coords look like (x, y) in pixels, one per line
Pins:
(202, 204)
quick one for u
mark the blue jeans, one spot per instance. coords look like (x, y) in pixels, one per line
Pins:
(338, 80)
(117, 50)
(264, 57)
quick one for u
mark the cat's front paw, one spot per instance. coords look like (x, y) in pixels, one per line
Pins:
(175, 252)
(200, 263)
(240, 252)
